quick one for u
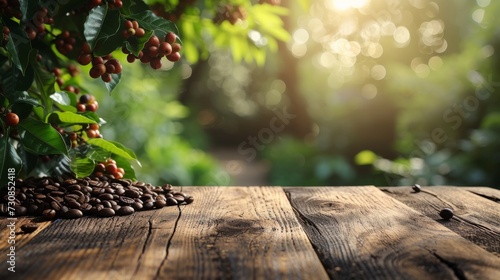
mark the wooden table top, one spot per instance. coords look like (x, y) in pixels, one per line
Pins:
(274, 233)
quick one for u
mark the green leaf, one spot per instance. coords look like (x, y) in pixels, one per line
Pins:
(21, 97)
(115, 79)
(29, 9)
(16, 81)
(64, 101)
(127, 150)
(97, 153)
(135, 45)
(41, 138)
(101, 24)
(110, 147)
(18, 46)
(110, 38)
(80, 165)
(9, 161)
(133, 6)
(93, 116)
(44, 83)
(69, 118)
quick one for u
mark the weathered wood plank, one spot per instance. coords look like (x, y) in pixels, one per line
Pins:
(20, 237)
(476, 218)
(360, 232)
(488, 193)
(240, 233)
(92, 248)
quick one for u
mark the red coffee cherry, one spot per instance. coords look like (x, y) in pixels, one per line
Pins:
(11, 119)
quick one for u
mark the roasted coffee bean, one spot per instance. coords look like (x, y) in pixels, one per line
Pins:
(125, 210)
(29, 228)
(40, 196)
(106, 204)
(148, 205)
(131, 193)
(137, 206)
(171, 201)
(21, 196)
(64, 209)
(85, 207)
(33, 209)
(446, 213)
(94, 201)
(73, 188)
(51, 188)
(99, 207)
(55, 205)
(106, 212)
(71, 197)
(160, 203)
(109, 190)
(139, 184)
(125, 200)
(179, 198)
(3, 209)
(116, 207)
(416, 188)
(20, 210)
(49, 214)
(73, 214)
(120, 191)
(106, 196)
(189, 199)
(56, 193)
(169, 195)
(73, 204)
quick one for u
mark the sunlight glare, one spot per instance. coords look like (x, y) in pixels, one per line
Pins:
(343, 5)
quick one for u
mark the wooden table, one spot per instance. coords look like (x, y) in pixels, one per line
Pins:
(275, 233)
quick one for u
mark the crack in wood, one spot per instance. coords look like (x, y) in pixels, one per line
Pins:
(459, 273)
(492, 198)
(169, 242)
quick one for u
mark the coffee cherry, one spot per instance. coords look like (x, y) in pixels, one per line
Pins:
(94, 126)
(111, 168)
(110, 161)
(11, 119)
(97, 70)
(130, 58)
(81, 107)
(106, 77)
(170, 37)
(84, 99)
(91, 133)
(176, 47)
(121, 170)
(100, 167)
(57, 71)
(91, 107)
(446, 213)
(153, 41)
(165, 48)
(139, 32)
(155, 63)
(84, 59)
(174, 57)
(118, 175)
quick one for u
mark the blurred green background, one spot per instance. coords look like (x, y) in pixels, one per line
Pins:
(381, 92)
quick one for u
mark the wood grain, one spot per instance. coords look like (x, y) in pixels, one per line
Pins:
(90, 248)
(21, 237)
(488, 193)
(360, 232)
(476, 218)
(240, 233)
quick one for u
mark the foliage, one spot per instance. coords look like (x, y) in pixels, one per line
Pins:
(58, 129)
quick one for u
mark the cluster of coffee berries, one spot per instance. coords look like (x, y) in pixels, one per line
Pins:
(172, 13)
(92, 131)
(73, 71)
(132, 29)
(87, 102)
(5, 36)
(155, 49)
(36, 25)
(109, 167)
(11, 119)
(65, 42)
(230, 13)
(103, 67)
(10, 8)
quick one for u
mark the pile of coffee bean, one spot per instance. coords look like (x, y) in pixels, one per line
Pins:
(71, 198)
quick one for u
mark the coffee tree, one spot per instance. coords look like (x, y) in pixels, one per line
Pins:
(49, 121)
